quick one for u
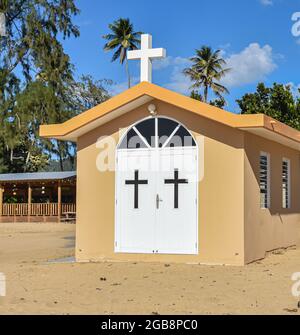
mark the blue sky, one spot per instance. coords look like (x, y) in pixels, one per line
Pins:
(254, 36)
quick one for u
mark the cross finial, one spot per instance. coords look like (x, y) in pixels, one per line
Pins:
(146, 54)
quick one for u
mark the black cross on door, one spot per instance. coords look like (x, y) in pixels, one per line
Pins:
(176, 181)
(136, 182)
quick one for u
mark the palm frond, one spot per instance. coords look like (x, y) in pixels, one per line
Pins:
(109, 37)
(116, 55)
(111, 45)
(122, 37)
(207, 70)
(218, 88)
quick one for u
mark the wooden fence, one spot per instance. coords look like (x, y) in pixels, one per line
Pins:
(43, 209)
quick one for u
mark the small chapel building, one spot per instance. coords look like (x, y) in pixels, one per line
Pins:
(163, 177)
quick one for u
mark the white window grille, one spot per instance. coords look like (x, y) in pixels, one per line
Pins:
(286, 183)
(264, 181)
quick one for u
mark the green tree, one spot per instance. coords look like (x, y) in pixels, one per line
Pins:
(121, 39)
(277, 101)
(20, 126)
(88, 92)
(206, 71)
(82, 95)
(28, 151)
(33, 28)
(8, 136)
(196, 95)
(219, 102)
(32, 51)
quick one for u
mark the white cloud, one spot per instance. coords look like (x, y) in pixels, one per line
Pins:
(252, 64)
(170, 61)
(121, 87)
(266, 2)
(178, 81)
(162, 63)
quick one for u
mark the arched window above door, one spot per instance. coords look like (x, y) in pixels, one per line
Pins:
(158, 132)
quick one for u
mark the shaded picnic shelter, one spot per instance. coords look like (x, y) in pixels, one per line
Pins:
(41, 196)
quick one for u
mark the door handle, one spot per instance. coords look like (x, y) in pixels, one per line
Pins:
(158, 200)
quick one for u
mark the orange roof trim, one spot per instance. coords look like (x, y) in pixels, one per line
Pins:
(143, 92)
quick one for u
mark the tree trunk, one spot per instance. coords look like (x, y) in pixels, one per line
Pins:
(2, 25)
(61, 160)
(26, 161)
(61, 163)
(205, 93)
(128, 74)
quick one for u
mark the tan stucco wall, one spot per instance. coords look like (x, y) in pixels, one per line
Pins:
(269, 229)
(221, 202)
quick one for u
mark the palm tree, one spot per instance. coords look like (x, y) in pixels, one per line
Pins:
(207, 70)
(122, 38)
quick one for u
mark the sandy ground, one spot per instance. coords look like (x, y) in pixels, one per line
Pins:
(35, 286)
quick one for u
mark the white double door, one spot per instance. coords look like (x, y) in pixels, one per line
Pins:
(156, 201)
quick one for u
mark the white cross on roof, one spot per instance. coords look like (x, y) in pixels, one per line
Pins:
(146, 54)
